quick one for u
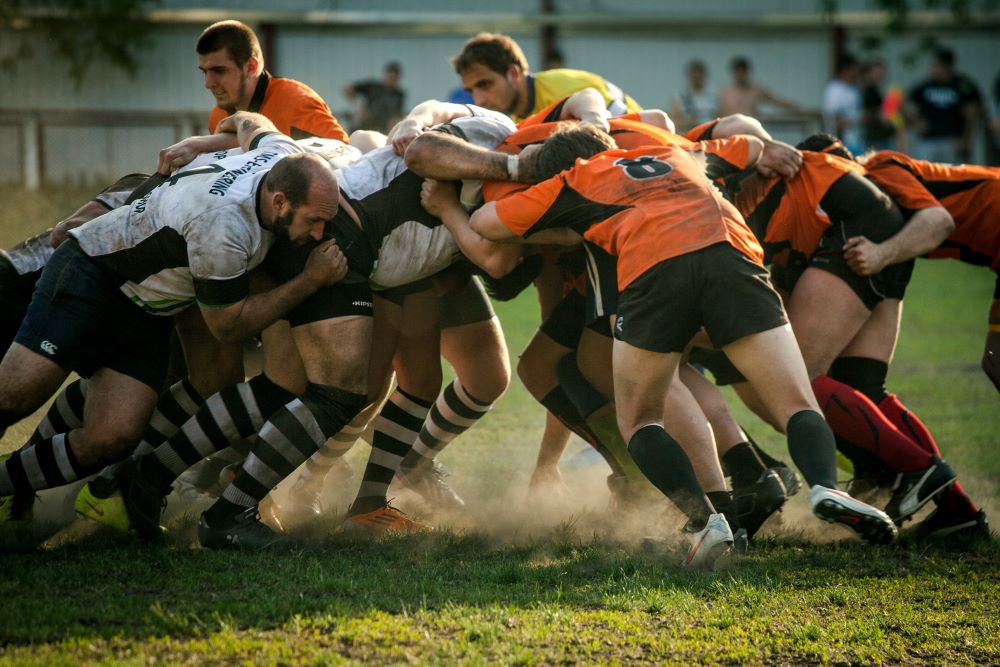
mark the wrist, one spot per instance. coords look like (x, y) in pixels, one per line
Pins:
(513, 167)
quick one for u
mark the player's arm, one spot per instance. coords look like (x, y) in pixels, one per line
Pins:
(444, 157)
(587, 106)
(426, 114)
(237, 321)
(778, 158)
(923, 232)
(84, 214)
(657, 118)
(177, 155)
(440, 200)
(248, 126)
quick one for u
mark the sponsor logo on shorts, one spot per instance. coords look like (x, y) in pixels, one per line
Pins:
(366, 304)
(48, 347)
(618, 323)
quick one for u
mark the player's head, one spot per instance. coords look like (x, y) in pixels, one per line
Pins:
(304, 194)
(565, 145)
(943, 64)
(229, 55)
(739, 67)
(825, 143)
(494, 70)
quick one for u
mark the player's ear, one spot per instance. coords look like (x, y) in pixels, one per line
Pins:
(278, 200)
(514, 73)
(252, 66)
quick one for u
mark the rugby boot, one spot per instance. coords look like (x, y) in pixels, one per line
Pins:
(913, 490)
(385, 518)
(244, 532)
(109, 510)
(17, 508)
(954, 530)
(709, 544)
(871, 524)
(755, 503)
(144, 501)
(427, 480)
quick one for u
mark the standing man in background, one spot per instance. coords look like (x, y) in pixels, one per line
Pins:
(944, 110)
(231, 59)
(382, 101)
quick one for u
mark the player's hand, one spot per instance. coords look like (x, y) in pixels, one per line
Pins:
(58, 234)
(598, 118)
(174, 157)
(438, 197)
(779, 159)
(326, 264)
(863, 256)
(228, 124)
(403, 134)
(546, 484)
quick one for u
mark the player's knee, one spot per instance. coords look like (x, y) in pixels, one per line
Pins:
(332, 407)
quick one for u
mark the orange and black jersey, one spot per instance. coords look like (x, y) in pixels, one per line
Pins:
(643, 206)
(628, 132)
(970, 193)
(295, 109)
(788, 213)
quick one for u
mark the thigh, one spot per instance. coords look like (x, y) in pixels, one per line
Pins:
(212, 364)
(772, 364)
(335, 352)
(478, 353)
(27, 380)
(877, 337)
(825, 315)
(117, 410)
(593, 356)
(417, 358)
(642, 380)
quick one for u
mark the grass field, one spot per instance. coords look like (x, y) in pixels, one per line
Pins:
(517, 582)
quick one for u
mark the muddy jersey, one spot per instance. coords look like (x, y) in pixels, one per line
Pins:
(194, 237)
(336, 152)
(644, 206)
(970, 193)
(406, 242)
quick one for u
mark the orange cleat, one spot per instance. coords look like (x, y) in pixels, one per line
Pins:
(385, 518)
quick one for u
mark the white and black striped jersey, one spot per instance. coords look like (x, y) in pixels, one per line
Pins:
(408, 243)
(337, 153)
(194, 237)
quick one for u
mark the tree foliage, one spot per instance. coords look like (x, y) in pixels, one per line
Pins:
(80, 32)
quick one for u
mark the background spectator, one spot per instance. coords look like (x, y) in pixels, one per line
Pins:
(382, 102)
(695, 104)
(745, 96)
(841, 105)
(944, 110)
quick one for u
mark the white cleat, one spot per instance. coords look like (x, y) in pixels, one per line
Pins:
(712, 542)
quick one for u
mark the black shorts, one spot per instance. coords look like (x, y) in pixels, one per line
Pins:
(858, 208)
(718, 364)
(15, 295)
(351, 296)
(468, 305)
(397, 295)
(602, 283)
(717, 287)
(80, 319)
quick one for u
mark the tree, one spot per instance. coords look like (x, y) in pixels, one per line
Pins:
(81, 32)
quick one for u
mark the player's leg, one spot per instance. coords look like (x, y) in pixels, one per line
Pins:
(991, 353)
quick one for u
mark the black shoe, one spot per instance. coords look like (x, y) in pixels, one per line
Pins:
(245, 532)
(753, 504)
(144, 501)
(788, 478)
(944, 526)
(912, 490)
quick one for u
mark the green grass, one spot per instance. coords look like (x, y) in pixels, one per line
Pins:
(526, 584)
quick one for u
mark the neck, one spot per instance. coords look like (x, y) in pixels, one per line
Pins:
(265, 207)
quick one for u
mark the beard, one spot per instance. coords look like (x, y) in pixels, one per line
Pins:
(241, 91)
(281, 225)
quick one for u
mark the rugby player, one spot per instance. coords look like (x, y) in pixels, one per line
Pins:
(101, 304)
(616, 199)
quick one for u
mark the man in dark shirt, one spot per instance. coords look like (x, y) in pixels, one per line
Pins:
(944, 109)
(382, 100)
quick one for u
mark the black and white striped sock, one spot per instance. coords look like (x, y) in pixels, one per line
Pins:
(319, 464)
(236, 412)
(396, 429)
(454, 413)
(65, 413)
(44, 465)
(291, 435)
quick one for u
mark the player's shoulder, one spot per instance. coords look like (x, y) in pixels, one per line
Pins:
(290, 87)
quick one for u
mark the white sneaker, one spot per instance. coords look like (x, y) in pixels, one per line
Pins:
(714, 540)
(871, 524)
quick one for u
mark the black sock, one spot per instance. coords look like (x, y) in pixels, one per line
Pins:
(742, 465)
(665, 464)
(862, 373)
(813, 448)
(765, 458)
(722, 501)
